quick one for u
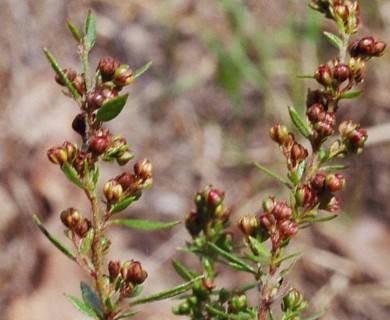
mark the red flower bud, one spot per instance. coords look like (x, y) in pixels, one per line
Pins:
(126, 180)
(341, 72)
(279, 134)
(303, 195)
(143, 169)
(71, 150)
(132, 272)
(71, 218)
(324, 75)
(69, 73)
(83, 227)
(317, 182)
(378, 48)
(123, 75)
(114, 269)
(57, 155)
(315, 112)
(282, 211)
(334, 182)
(107, 67)
(288, 228)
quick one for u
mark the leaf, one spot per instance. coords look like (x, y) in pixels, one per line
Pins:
(86, 242)
(167, 293)
(272, 174)
(110, 109)
(256, 259)
(53, 240)
(89, 31)
(122, 204)
(291, 256)
(138, 290)
(334, 167)
(301, 125)
(144, 224)
(335, 40)
(73, 29)
(259, 247)
(91, 299)
(81, 306)
(127, 315)
(223, 315)
(71, 174)
(305, 76)
(350, 95)
(142, 70)
(64, 79)
(232, 258)
(182, 270)
(324, 219)
(297, 173)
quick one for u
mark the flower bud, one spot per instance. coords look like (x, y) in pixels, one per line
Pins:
(126, 180)
(79, 125)
(324, 75)
(69, 73)
(332, 205)
(288, 228)
(95, 99)
(293, 301)
(357, 138)
(112, 190)
(342, 11)
(83, 227)
(334, 182)
(194, 223)
(57, 155)
(215, 197)
(71, 150)
(100, 142)
(79, 84)
(143, 169)
(279, 134)
(107, 67)
(238, 303)
(315, 112)
(366, 45)
(248, 225)
(378, 48)
(341, 72)
(282, 211)
(317, 182)
(132, 272)
(123, 75)
(70, 217)
(114, 269)
(268, 204)
(303, 195)
(298, 152)
(208, 284)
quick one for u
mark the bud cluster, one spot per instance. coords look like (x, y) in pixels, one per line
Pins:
(275, 222)
(126, 277)
(73, 220)
(210, 213)
(294, 152)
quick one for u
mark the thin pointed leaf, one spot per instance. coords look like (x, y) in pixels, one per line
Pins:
(167, 293)
(73, 29)
(53, 240)
(301, 125)
(335, 40)
(142, 70)
(257, 259)
(334, 167)
(223, 315)
(91, 299)
(324, 219)
(182, 270)
(71, 174)
(81, 306)
(272, 174)
(85, 246)
(122, 204)
(247, 287)
(259, 247)
(110, 109)
(64, 79)
(305, 76)
(144, 224)
(350, 95)
(232, 258)
(127, 315)
(90, 31)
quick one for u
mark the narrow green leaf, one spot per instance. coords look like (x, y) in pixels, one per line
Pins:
(182, 270)
(247, 287)
(324, 219)
(335, 40)
(127, 315)
(81, 306)
(232, 258)
(167, 293)
(53, 240)
(91, 299)
(144, 224)
(142, 70)
(73, 29)
(301, 125)
(291, 256)
(334, 167)
(305, 76)
(71, 174)
(110, 109)
(350, 95)
(122, 204)
(138, 290)
(297, 173)
(90, 31)
(257, 259)
(85, 246)
(259, 247)
(272, 174)
(64, 79)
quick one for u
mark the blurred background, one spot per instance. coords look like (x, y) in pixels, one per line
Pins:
(223, 73)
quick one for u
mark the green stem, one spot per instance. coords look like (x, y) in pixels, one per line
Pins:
(84, 61)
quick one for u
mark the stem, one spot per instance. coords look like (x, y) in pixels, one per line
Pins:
(84, 61)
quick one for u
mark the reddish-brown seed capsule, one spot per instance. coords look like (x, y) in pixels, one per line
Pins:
(112, 190)
(83, 227)
(107, 67)
(57, 155)
(71, 218)
(341, 72)
(143, 169)
(282, 211)
(114, 268)
(324, 75)
(133, 272)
